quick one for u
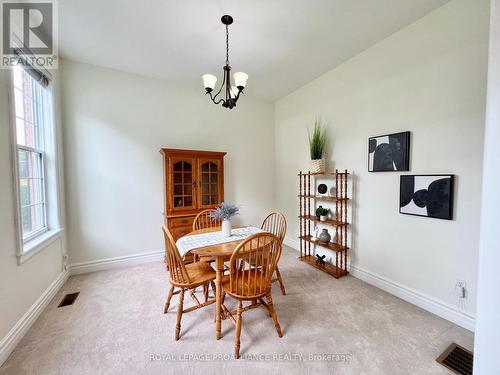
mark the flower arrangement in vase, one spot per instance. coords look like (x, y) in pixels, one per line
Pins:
(224, 212)
(317, 142)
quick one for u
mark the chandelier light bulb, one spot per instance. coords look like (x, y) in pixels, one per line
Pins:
(234, 92)
(240, 79)
(209, 81)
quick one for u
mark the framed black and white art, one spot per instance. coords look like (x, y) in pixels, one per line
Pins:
(427, 195)
(389, 152)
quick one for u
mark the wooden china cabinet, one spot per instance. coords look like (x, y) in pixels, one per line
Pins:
(193, 181)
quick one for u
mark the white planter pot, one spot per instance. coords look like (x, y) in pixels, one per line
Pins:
(226, 228)
(318, 166)
(323, 218)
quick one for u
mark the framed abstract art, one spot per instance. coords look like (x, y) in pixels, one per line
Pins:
(427, 195)
(389, 152)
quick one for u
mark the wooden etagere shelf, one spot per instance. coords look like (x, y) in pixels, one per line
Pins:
(323, 197)
(339, 221)
(333, 223)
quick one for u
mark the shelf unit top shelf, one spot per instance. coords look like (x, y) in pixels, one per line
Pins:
(324, 174)
(322, 197)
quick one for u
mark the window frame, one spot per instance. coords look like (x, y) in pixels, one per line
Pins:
(33, 234)
(37, 240)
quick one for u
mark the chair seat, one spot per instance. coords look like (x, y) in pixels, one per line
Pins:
(261, 288)
(200, 273)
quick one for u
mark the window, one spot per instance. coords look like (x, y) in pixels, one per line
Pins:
(33, 122)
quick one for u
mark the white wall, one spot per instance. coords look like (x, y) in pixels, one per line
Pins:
(21, 286)
(487, 338)
(115, 125)
(428, 78)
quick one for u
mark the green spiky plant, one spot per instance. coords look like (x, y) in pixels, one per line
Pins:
(317, 140)
(322, 211)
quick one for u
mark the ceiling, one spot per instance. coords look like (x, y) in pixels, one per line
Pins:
(281, 44)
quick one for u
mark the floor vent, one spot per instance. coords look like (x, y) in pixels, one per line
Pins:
(457, 359)
(69, 299)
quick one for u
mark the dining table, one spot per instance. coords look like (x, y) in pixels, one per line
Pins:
(219, 250)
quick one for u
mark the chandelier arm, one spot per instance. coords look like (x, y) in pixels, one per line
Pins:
(218, 101)
(213, 99)
(222, 85)
(238, 95)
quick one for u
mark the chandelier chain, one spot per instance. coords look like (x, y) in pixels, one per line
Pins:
(227, 45)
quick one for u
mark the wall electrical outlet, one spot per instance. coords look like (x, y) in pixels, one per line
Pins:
(460, 289)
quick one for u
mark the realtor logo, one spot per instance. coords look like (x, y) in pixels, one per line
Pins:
(28, 33)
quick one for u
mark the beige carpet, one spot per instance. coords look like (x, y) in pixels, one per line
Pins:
(117, 326)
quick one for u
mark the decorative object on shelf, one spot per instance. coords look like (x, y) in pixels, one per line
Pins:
(338, 220)
(225, 211)
(324, 236)
(389, 152)
(322, 188)
(317, 142)
(231, 93)
(427, 195)
(320, 259)
(322, 213)
(332, 192)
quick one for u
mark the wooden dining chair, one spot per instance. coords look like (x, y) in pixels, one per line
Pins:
(251, 267)
(275, 223)
(185, 277)
(204, 220)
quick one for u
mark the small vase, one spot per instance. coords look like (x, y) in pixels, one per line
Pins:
(323, 218)
(318, 166)
(324, 237)
(226, 228)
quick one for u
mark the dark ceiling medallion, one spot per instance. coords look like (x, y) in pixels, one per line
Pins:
(231, 93)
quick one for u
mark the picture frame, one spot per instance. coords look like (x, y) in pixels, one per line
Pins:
(389, 152)
(427, 195)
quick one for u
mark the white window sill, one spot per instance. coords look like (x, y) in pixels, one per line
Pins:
(37, 244)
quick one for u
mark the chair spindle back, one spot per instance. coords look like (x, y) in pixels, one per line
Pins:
(275, 223)
(252, 265)
(178, 272)
(204, 220)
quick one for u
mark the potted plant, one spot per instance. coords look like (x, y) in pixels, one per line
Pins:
(317, 142)
(322, 213)
(224, 212)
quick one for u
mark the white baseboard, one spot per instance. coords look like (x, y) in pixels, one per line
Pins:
(9, 342)
(423, 301)
(116, 262)
(292, 242)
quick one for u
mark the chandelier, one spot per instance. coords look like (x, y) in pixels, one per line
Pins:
(231, 92)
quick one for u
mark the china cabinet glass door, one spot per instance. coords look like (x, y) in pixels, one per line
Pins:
(210, 179)
(183, 183)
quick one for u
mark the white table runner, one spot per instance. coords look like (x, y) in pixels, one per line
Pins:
(190, 242)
